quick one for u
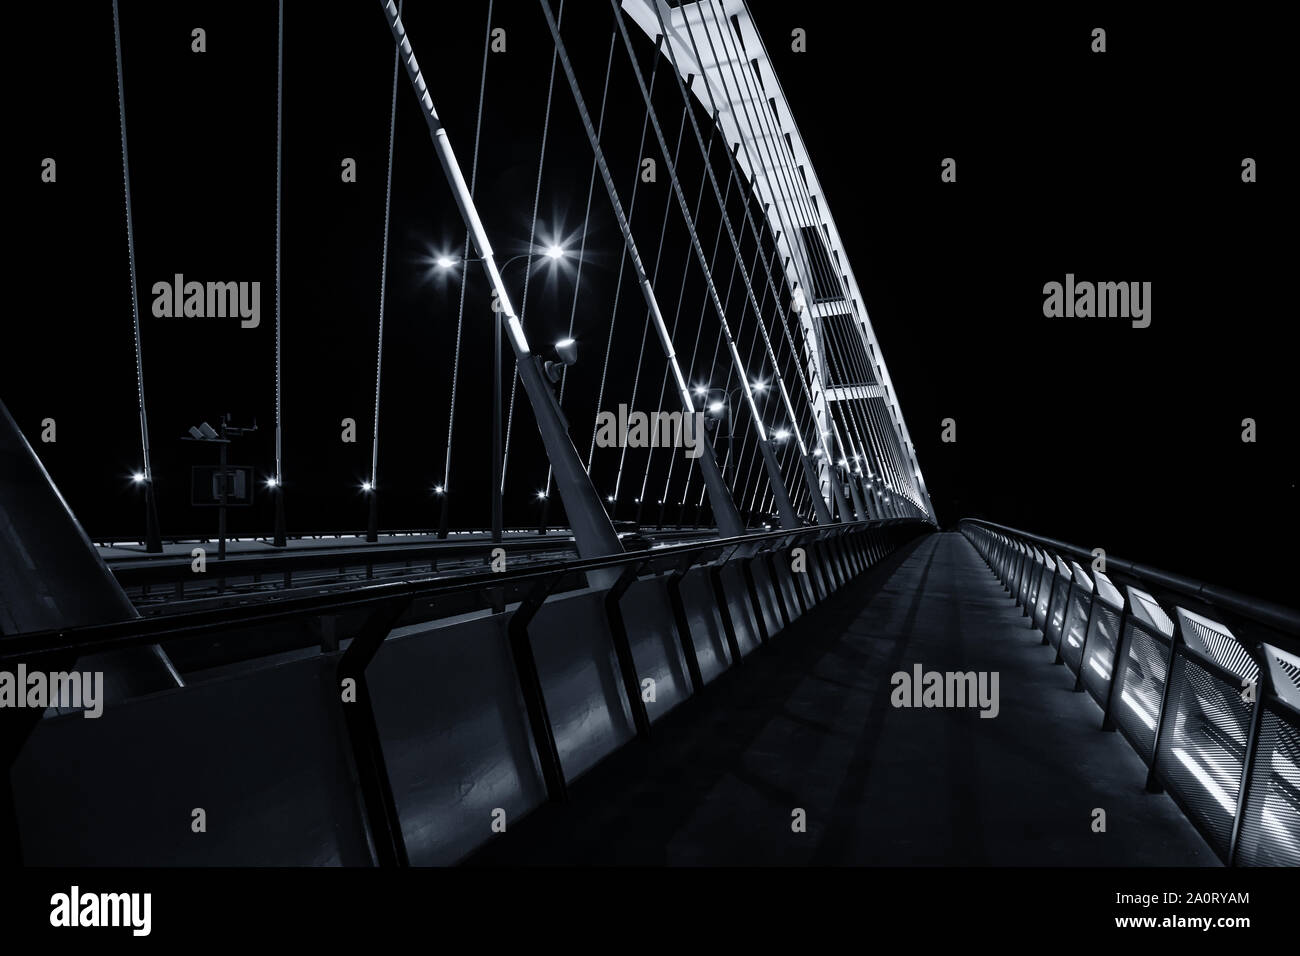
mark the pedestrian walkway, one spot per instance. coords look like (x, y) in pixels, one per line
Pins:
(807, 724)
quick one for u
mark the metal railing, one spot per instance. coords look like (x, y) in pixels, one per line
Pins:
(153, 581)
(368, 615)
(1203, 682)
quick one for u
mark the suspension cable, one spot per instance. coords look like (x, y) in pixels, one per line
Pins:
(464, 270)
(528, 263)
(279, 113)
(383, 265)
(622, 265)
(858, 353)
(746, 93)
(677, 314)
(645, 330)
(582, 249)
(130, 252)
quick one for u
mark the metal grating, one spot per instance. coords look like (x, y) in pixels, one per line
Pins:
(1099, 660)
(1216, 642)
(1284, 668)
(1044, 595)
(1075, 628)
(1202, 748)
(1147, 610)
(825, 279)
(1136, 706)
(1060, 592)
(1026, 575)
(1270, 825)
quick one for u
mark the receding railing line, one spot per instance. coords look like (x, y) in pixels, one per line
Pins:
(1203, 682)
(1267, 613)
(103, 637)
(835, 554)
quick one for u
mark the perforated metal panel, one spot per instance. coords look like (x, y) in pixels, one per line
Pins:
(1075, 627)
(1056, 620)
(1270, 825)
(1203, 746)
(1044, 595)
(1031, 584)
(1136, 706)
(1026, 576)
(1284, 669)
(1214, 641)
(1099, 654)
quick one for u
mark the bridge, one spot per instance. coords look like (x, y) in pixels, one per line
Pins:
(733, 631)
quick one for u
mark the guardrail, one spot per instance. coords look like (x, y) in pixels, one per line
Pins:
(734, 568)
(1203, 682)
(174, 578)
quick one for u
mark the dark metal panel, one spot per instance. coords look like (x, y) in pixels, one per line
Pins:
(767, 599)
(655, 647)
(580, 678)
(455, 735)
(742, 613)
(263, 755)
(706, 626)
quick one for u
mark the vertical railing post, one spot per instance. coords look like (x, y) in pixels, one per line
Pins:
(777, 589)
(1065, 620)
(674, 588)
(1153, 784)
(724, 612)
(530, 684)
(1263, 686)
(623, 648)
(1087, 629)
(378, 803)
(746, 569)
(1117, 669)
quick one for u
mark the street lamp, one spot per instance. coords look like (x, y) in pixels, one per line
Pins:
(566, 349)
(497, 456)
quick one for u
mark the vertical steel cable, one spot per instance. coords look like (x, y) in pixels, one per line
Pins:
(279, 109)
(464, 266)
(130, 251)
(677, 314)
(699, 324)
(383, 266)
(805, 197)
(582, 250)
(749, 92)
(528, 264)
(645, 331)
(622, 264)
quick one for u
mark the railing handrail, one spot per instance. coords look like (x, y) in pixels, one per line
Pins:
(155, 570)
(1269, 614)
(94, 638)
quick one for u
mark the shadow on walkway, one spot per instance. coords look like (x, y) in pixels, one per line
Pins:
(807, 724)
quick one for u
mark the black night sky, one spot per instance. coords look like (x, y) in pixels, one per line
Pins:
(1123, 166)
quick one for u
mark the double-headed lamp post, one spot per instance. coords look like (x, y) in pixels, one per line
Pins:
(716, 408)
(554, 252)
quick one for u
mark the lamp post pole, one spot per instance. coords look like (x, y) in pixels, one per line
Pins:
(497, 451)
(593, 533)
(496, 428)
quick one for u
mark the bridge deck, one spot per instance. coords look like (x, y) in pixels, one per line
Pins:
(807, 723)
